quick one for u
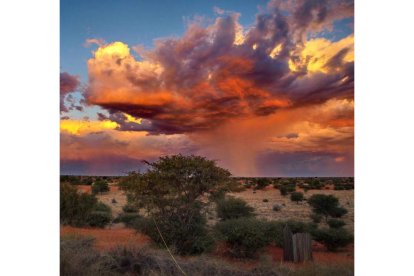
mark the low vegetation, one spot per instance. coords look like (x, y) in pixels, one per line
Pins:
(296, 197)
(245, 236)
(78, 257)
(336, 223)
(100, 186)
(82, 209)
(333, 238)
(326, 205)
(170, 202)
(233, 208)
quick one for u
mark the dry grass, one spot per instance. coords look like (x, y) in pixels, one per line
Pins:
(78, 257)
(292, 210)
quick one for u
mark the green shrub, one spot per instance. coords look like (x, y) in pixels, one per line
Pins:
(316, 218)
(245, 236)
(75, 207)
(291, 188)
(102, 207)
(100, 186)
(326, 205)
(315, 184)
(71, 179)
(232, 208)
(262, 183)
(283, 190)
(335, 223)
(338, 212)
(127, 218)
(86, 181)
(82, 209)
(265, 200)
(186, 238)
(333, 238)
(129, 208)
(99, 219)
(296, 197)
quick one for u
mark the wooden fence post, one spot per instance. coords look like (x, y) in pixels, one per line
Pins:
(297, 247)
(302, 247)
(287, 244)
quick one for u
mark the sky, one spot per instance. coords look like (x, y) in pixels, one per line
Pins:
(265, 88)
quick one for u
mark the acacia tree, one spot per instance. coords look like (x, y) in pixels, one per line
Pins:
(326, 205)
(297, 197)
(170, 191)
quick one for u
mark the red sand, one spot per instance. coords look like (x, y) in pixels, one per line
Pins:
(320, 254)
(106, 239)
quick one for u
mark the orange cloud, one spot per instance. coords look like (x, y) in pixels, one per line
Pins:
(230, 93)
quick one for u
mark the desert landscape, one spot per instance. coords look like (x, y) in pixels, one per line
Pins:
(207, 138)
(119, 233)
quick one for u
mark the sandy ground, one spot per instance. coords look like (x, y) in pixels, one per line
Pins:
(290, 210)
(114, 193)
(117, 235)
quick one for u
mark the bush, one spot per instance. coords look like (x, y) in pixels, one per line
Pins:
(326, 205)
(265, 200)
(262, 183)
(75, 207)
(87, 180)
(99, 219)
(315, 184)
(186, 238)
(336, 223)
(333, 238)
(316, 218)
(277, 208)
(245, 236)
(100, 186)
(296, 197)
(129, 208)
(127, 218)
(291, 188)
(338, 212)
(102, 207)
(232, 208)
(79, 209)
(283, 190)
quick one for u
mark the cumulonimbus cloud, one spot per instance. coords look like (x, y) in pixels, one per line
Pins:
(247, 97)
(218, 72)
